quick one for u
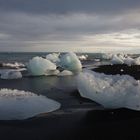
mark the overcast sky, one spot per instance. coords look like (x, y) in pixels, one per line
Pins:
(69, 25)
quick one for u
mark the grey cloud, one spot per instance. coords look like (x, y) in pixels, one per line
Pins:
(24, 24)
(66, 6)
(32, 27)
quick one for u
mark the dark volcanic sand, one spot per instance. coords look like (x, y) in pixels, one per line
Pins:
(77, 119)
(133, 70)
(89, 125)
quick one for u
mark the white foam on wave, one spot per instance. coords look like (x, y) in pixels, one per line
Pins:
(13, 65)
(111, 91)
(17, 105)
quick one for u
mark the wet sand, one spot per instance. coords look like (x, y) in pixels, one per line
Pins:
(77, 125)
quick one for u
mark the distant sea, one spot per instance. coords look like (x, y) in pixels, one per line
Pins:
(24, 57)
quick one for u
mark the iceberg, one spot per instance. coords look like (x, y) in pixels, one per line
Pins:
(17, 105)
(54, 57)
(124, 59)
(39, 66)
(111, 91)
(70, 61)
(83, 57)
(52, 72)
(137, 61)
(107, 56)
(129, 61)
(11, 74)
(117, 59)
(65, 73)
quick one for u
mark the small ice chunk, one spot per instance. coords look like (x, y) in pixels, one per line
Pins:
(52, 72)
(125, 59)
(17, 105)
(54, 57)
(83, 57)
(38, 66)
(137, 61)
(129, 61)
(117, 60)
(11, 75)
(107, 56)
(111, 91)
(70, 61)
(65, 73)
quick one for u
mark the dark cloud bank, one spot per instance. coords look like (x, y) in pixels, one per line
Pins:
(54, 24)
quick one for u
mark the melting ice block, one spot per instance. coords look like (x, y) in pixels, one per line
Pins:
(65, 73)
(107, 56)
(54, 57)
(11, 75)
(129, 61)
(39, 66)
(124, 59)
(71, 62)
(52, 72)
(17, 105)
(83, 57)
(117, 59)
(137, 61)
(111, 91)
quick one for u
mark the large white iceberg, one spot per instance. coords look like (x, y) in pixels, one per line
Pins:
(39, 66)
(111, 91)
(70, 61)
(11, 74)
(17, 105)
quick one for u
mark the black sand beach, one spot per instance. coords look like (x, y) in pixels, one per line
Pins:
(122, 69)
(77, 119)
(84, 124)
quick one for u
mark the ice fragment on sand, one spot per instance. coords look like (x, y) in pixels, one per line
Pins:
(111, 91)
(17, 104)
